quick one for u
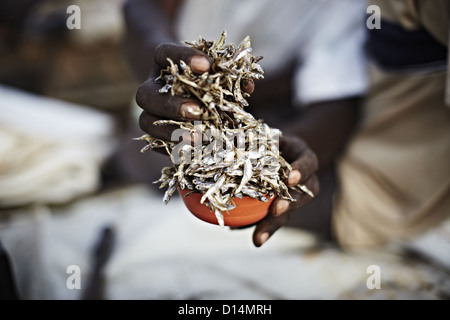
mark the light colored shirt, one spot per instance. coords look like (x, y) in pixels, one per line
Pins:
(324, 38)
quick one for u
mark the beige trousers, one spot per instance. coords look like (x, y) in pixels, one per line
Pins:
(395, 173)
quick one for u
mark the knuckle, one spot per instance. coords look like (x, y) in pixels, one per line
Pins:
(161, 47)
(143, 122)
(141, 94)
(161, 52)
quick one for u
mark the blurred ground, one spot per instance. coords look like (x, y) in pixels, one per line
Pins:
(164, 252)
(158, 251)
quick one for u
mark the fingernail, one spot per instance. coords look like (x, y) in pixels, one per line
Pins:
(200, 64)
(192, 137)
(197, 137)
(294, 177)
(191, 110)
(263, 238)
(186, 136)
(282, 206)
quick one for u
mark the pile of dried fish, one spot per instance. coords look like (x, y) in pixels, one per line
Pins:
(237, 155)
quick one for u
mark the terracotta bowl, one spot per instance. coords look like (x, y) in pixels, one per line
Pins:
(248, 210)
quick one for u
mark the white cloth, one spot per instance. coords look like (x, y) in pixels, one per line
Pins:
(324, 37)
(51, 151)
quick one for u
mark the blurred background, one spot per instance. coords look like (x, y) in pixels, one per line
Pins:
(66, 99)
(86, 66)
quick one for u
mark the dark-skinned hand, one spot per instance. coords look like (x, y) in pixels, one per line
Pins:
(304, 165)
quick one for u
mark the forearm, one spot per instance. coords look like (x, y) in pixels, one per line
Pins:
(326, 127)
(148, 24)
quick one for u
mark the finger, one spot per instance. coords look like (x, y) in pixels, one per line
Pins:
(275, 220)
(280, 206)
(304, 161)
(163, 132)
(303, 168)
(306, 165)
(167, 132)
(294, 177)
(197, 60)
(267, 227)
(165, 105)
(291, 147)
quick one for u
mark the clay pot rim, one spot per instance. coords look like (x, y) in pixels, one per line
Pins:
(189, 192)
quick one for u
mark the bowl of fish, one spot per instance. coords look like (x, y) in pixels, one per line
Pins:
(235, 173)
(248, 210)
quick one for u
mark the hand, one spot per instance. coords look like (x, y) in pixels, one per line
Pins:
(304, 165)
(157, 106)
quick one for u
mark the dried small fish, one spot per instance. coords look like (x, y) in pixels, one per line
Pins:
(173, 184)
(239, 154)
(305, 189)
(247, 174)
